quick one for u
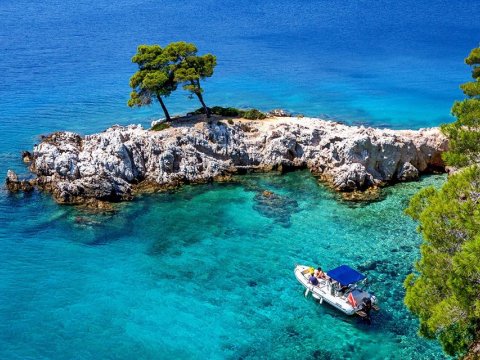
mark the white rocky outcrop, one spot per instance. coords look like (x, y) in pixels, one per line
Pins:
(110, 165)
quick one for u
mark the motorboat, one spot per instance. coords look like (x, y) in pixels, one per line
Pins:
(342, 288)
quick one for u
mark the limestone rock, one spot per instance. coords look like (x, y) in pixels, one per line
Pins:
(13, 184)
(279, 113)
(27, 156)
(408, 172)
(12, 176)
(112, 165)
(350, 177)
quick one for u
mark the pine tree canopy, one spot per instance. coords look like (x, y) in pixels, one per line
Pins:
(444, 289)
(464, 133)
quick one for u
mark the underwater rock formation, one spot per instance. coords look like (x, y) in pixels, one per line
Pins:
(276, 207)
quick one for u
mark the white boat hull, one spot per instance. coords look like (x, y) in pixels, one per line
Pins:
(324, 291)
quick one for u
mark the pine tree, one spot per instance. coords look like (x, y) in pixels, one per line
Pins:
(464, 133)
(154, 78)
(189, 68)
(444, 290)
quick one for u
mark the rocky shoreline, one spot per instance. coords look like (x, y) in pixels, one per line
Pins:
(114, 165)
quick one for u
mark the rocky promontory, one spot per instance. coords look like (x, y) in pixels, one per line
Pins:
(115, 164)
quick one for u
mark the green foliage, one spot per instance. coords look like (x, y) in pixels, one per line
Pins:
(230, 111)
(464, 133)
(153, 79)
(471, 88)
(251, 114)
(474, 57)
(189, 68)
(419, 202)
(458, 338)
(254, 114)
(160, 126)
(160, 70)
(444, 291)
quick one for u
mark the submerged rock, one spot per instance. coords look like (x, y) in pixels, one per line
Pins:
(274, 206)
(365, 196)
(369, 266)
(267, 193)
(86, 221)
(115, 164)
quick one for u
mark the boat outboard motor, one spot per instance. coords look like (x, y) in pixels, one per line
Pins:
(367, 306)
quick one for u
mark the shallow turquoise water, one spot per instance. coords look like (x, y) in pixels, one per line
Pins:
(205, 272)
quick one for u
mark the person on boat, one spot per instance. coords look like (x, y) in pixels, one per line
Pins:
(367, 307)
(313, 280)
(319, 274)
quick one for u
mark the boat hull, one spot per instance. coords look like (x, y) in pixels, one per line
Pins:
(323, 291)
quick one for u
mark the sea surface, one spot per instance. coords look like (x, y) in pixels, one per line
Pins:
(206, 272)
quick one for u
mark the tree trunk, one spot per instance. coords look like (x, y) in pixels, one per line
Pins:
(200, 97)
(205, 108)
(164, 108)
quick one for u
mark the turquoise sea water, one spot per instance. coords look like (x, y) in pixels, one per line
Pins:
(205, 272)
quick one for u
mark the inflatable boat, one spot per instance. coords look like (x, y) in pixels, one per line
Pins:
(342, 288)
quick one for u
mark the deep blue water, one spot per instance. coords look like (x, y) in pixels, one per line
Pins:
(112, 288)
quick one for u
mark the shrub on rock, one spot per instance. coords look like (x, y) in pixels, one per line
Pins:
(160, 126)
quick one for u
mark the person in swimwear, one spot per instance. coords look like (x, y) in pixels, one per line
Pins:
(319, 274)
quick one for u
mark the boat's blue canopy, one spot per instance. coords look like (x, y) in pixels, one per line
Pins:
(345, 275)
